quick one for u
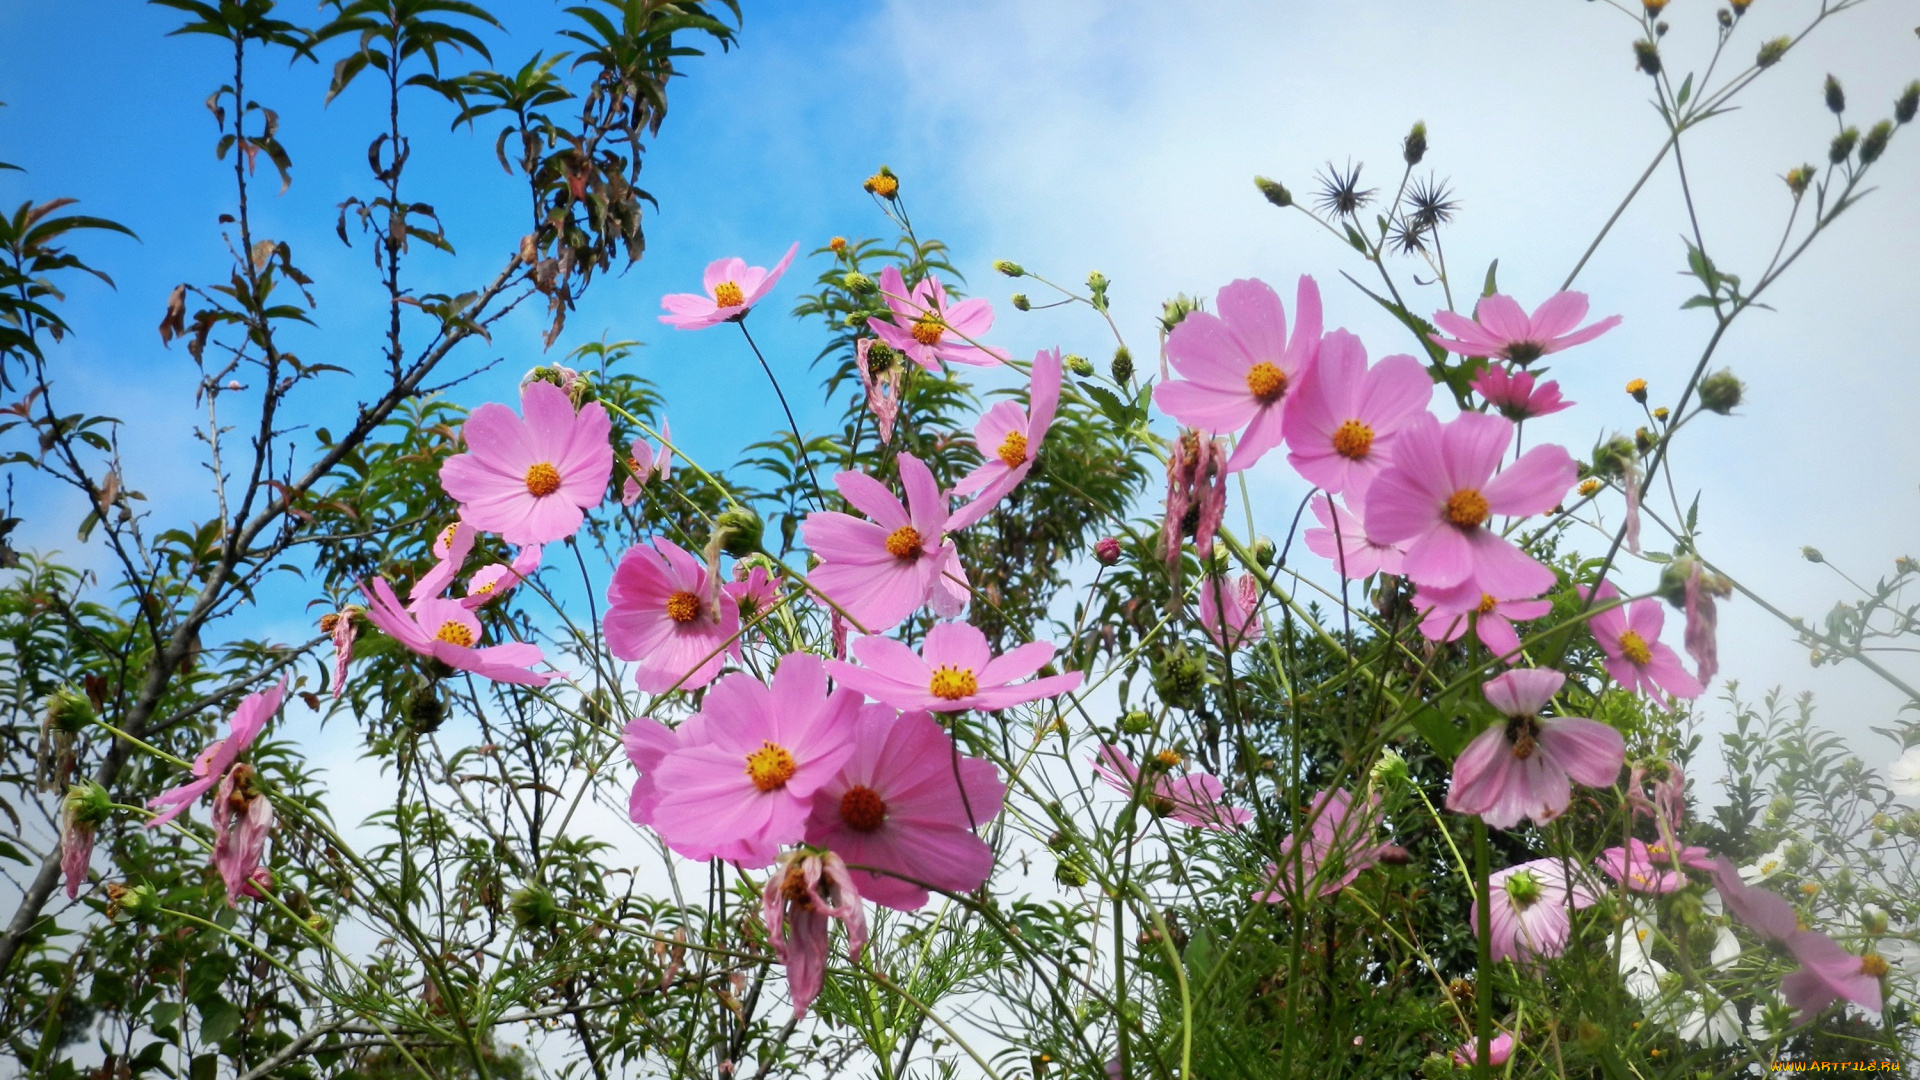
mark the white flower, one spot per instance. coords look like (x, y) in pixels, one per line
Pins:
(1766, 866)
(1903, 776)
(1770, 1020)
(1641, 973)
(1718, 1026)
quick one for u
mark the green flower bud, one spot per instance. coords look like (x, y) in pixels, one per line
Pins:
(739, 530)
(1137, 722)
(1875, 142)
(1011, 269)
(1414, 147)
(89, 804)
(1836, 97)
(140, 902)
(1391, 768)
(1642, 440)
(1274, 191)
(1122, 368)
(1265, 551)
(1077, 364)
(1720, 392)
(1060, 842)
(1179, 677)
(1614, 457)
(533, 907)
(1812, 555)
(855, 319)
(1842, 145)
(1646, 56)
(1176, 310)
(1021, 303)
(69, 711)
(1799, 179)
(1070, 873)
(426, 712)
(1908, 103)
(858, 283)
(1771, 51)
(1097, 282)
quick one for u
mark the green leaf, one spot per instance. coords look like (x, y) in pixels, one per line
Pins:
(1490, 287)
(218, 1020)
(1686, 90)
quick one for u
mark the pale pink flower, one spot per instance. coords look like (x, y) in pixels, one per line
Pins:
(897, 814)
(1342, 418)
(731, 289)
(805, 891)
(1827, 971)
(644, 463)
(1499, 1049)
(244, 726)
(661, 613)
(531, 480)
(495, 580)
(1669, 802)
(1342, 539)
(1530, 903)
(1009, 439)
(1630, 484)
(1636, 657)
(953, 672)
(1196, 496)
(1339, 845)
(744, 785)
(1651, 868)
(1703, 622)
(646, 742)
(447, 631)
(1521, 768)
(1236, 368)
(1230, 614)
(883, 388)
(80, 817)
(1501, 328)
(754, 594)
(343, 632)
(927, 330)
(1440, 496)
(883, 569)
(1515, 393)
(450, 550)
(1447, 610)
(242, 821)
(1189, 798)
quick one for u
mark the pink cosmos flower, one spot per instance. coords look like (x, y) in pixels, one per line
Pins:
(743, 785)
(1342, 418)
(446, 630)
(1010, 439)
(1500, 327)
(1703, 622)
(495, 580)
(343, 631)
(450, 550)
(1339, 845)
(1668, 806)
(1196, 496)
(1827, 971)
(1190, 798)
(78, 830)
(1530, 904)
(644, 463)
(661, 612)
(895, 809)
(883, 569)
(882, 386)
(1499, 1049)
(1447, 610)
(1520, 769)
(953, 672)
(1237, 367)
(755, 593)
(531, 480)
(244, 726)
(928, 331)
(795, 907)
(1342, 539)
(1441, 492)
(647, 741)
(1636, 657)
(1515, 394)
(731, 287)
(1230, 614)
(242, 821)
(1651, 868)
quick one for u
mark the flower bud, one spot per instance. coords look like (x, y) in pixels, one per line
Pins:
(855, 319)
(425, 712)
(1011, 269)
(1637, 389)
(1907, 103)
(1107, 550)
(1812, 555)
(1654, 7)
(1265, 551)
(1771, 51)
(1175, 311)
(1799, 179)
(1842, 145)
(1414, 146)
(69, 711)
(89, 803)
(1020, 302)
(1614, 457)
(1720, 392)
(1137, 722)
(1077, 364)
(533, 907)
(739, 531)
(1836, 97)
(140, 902)
(838, 244)
(1646, 56)
(883, 183)
(1642, 440)
(1875, 142)
(1873, 921)
(1726, 19)
(1391, 768)
(1661, 413)
(1274, 191)
(1122, 368)
(857, 283)
(1070, 873)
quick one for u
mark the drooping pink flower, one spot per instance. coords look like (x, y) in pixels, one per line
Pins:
(644, 463)
(1515, 393)
(954, 671)
(1668, 805)
(1009, 438)
(883, 569)
(754, 594)
(1630, 484)
(896, 813)
(495, 580)
(1521, 768)
(1827, 971)
(661, 613)
(1342, 418)
(1192, 798)
(343, 632)
(1196, 496)
(1230, 614)
(1530, 903)
(805, 891)
(1651, 868)
(1703, 623)
(882, 385)
(927, 330)
(1237, 368)
(446, 631)
(242, 821)
(1636, 657)
(1447, 610)
(81, 813)
(1342, 540)
(1501, 328)
(746, 785)
(1442, 492)
(531, 480)
(244, 726)
(1339, 845)
(450, 550)
(1499, 1049)
(731, 289)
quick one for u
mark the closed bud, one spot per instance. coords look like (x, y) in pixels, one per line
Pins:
(1799, 179)
(1061, 841)
(1265, 551)
(1874, 921)
(855, 319)
(1642, 439)
(1660, 28)
(1070, 873)
(1874, 143)
(1274, 191)
(1391, 768)
(69, 711)
(1646, 56)
(533, 907)
(1097, 282)
(1812, 555)
(1137, 722)
(1907, 103)
(1107, 550)
(140, 902)
(739, 531)
(1122, 367)
(1077, 364)
(426, 712)
(1836, 97)
(89, 803)
(1414, 147)
(1720, 392)
(857, 283)
(838, 244)
(1614, 457)
(1771, 51)
(1020, 302)
(1726, 19)
(1011, 269)
(1175, 311)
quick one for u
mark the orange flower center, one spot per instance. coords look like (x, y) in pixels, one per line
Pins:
(1352, 439)
(728, 294)
(863, 809)
(1523, 732)
(543, 479)
(952, 683)
(1873, 964)
(1170, 758)
(454, 634)
(883, 185)
(927, 329)
(904, 542)
(770, 767)
(683, 607)
(1013, 450)
(1266, 382)
(446, 538)
(487, 588)
(1486, 603)
(1635, 648)
(1468, 508)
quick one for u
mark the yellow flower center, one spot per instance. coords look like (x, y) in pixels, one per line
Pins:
(1468, 508)
(446, 538)
(683, 607)
(927, 329)
(1352, 439)
(543, 479)
(1873, 964)
(1637, 386)
(1013, 449)
(863, 809)
(728, 294)
(454, 634)
(1635, 648)
(770, 767)
(1588, 487)
(487, 588)
(1169, 758)
(1266, 382)
(904, 542)
(1487, 603)
(883, 185)
(952, 683)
